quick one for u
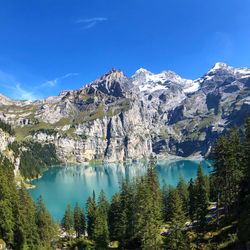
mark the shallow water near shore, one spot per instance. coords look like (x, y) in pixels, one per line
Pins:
(62, 185)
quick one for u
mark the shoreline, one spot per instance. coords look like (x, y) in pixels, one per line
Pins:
(30, 185)
(159, 158)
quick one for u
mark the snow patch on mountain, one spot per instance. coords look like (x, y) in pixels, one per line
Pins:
(245, 72)
(193, 87)
(150, 82)
(152, 88)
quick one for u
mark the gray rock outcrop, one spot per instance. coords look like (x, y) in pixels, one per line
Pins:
(116, 118)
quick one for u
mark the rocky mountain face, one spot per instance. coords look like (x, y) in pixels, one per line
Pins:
(118, 118)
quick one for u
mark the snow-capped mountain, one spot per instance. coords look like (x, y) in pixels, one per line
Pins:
(117, 118)
(150, 82)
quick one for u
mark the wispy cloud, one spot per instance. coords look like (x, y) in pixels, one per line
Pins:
(23, 94)
(15, 89)
(55, 81)
(88, 23)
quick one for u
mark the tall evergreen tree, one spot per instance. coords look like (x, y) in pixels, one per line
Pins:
(6, 210)
(91, 215)
(17, 211)
(79, 220)
(45, 224)
(227, 169)
(176, 238)
(192, 200)
(101, 232)
(165, 204)
(6, 222)
(127, 215)
(244, 211)
(8, 201)
(148, 210)
(103, 203)
(115, 218)
(27, 213)
(201, 199)
(68, 220)
(183, 192)
(153, 211)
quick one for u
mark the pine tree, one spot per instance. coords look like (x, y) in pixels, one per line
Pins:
(45, 224)
(101, 232)
(165, 204)
(8, 201)
(22, 224)
(227, 171)
(114, 218)
(201, 200)
(192, 200)
(19, 238)
(176, 239)
(6, 210)
(68, 220)
(201, 204)
(79, 220)
(6, 222)
(127, 215)
(153, 210)
(244, 211)
(27, 219)
(91, 215)
(183, 192)
(103, 203)
(236, 168)
(148, 210)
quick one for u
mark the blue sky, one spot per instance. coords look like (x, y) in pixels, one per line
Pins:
(51, 45)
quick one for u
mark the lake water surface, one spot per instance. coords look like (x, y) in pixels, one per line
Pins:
(62, 185)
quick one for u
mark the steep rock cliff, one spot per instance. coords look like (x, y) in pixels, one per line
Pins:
(116, 118)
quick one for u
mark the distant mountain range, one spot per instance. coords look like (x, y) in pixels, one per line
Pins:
(118, 118)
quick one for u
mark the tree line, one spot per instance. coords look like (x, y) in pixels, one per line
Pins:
(23, 224)
(34, 157)
(7, 128)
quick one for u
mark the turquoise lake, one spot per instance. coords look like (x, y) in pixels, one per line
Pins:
(62, 185)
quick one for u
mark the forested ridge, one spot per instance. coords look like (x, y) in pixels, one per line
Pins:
(6, 127)
(35, 157)
(205, 213)
(23, 224)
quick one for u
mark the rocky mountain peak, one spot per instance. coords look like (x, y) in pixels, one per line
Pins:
(221, 72)
(220, 67)
(116, 118)
(171, 76)
(142, 71)
(147, 76)
(113, 74)
(150, 82)
(112, 83)
(3, 99)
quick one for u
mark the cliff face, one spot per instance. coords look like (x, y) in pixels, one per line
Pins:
(116, 118)
(111, 138)
(6, 139)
